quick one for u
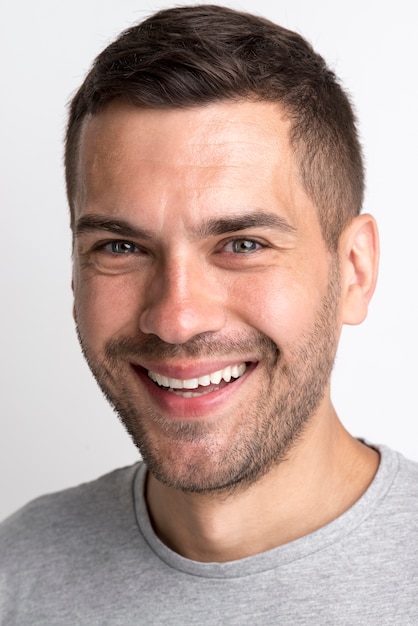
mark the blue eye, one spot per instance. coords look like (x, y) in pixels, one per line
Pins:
(243, 246)
(121, 247)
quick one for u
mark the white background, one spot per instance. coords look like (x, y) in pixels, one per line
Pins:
(56, 429)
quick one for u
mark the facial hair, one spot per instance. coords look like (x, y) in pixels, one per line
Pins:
(188, 455)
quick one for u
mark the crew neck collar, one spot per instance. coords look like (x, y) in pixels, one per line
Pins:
(282, 555)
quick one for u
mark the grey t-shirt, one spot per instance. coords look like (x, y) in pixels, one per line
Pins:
(88, 555)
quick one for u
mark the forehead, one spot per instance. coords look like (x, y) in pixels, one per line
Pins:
(220, 157)
(226, 119)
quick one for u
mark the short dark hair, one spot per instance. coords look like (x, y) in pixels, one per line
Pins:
(195, 55)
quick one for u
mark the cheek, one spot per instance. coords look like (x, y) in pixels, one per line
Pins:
(282, 308)
(103, 307)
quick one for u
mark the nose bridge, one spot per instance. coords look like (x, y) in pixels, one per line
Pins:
(180, 273)
(181, 301)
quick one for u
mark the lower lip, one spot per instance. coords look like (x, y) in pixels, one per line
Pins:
(178, 407)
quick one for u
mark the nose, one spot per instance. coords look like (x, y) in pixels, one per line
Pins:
(182, 302)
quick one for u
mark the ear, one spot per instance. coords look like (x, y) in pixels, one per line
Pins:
(73, 290)
(359, 255)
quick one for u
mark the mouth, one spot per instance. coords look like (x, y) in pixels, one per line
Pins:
(202, 385)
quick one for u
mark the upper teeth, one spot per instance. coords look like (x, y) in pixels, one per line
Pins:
(214, 378)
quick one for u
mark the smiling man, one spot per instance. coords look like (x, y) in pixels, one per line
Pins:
(215, 183)
(213, 302)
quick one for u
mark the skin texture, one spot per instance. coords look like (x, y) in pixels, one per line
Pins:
(195, 248)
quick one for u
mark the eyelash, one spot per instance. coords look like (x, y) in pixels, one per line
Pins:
(118, 242)
(132, 248)
(244, 251)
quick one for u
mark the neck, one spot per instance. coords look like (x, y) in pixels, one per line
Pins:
(323, 475)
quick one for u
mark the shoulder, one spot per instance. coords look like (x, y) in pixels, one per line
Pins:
(405, 484)
(392, 499)
(60, 549)
(54, 518)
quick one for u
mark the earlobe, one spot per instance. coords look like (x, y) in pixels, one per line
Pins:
(359, 252)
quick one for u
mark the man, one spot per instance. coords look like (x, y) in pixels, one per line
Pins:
(215, 183)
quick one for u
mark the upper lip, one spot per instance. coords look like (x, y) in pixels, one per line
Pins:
(187, 370)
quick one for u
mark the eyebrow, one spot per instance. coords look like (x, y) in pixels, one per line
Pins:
(254, 219)
(92, 223)
(212, 226)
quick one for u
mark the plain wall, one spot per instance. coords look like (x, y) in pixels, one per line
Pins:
(56, 429)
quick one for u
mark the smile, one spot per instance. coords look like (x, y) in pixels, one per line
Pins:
(210, 381)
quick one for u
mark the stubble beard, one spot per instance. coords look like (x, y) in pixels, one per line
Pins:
(268, 430)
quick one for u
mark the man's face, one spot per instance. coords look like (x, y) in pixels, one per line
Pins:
(206, 300)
